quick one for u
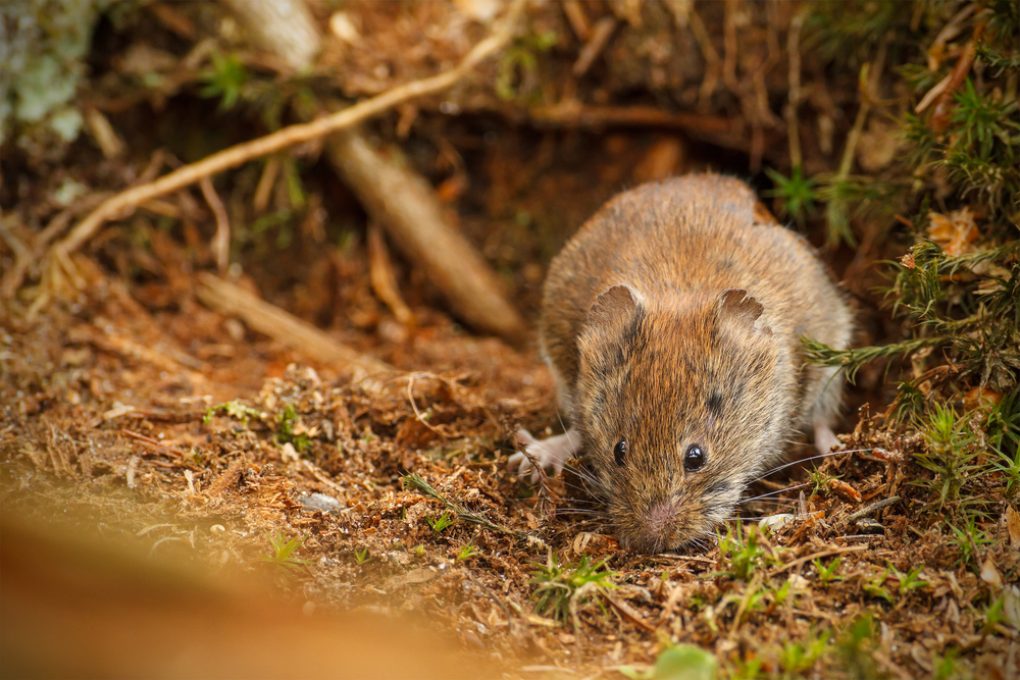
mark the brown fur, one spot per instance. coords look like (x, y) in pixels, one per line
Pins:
(652, 337)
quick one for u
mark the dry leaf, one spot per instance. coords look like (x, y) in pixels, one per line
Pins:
(953, 232)
(1011, 606)
(990, 574)
(981, 396)
(341, 26)
(1013, 526)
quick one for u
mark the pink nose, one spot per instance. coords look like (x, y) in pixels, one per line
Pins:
(660, 516)
(655, 531)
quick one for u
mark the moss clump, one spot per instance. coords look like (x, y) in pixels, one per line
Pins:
(43, 46)
(957, 287)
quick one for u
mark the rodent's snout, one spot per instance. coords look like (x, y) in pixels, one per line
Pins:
(661, 515)
(656, 531)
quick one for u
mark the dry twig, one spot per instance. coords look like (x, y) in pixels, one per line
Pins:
(233, 300)
(408, 207)
(221, 241)
(384, 281)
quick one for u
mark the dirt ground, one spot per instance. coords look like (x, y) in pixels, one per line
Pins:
(180, 431)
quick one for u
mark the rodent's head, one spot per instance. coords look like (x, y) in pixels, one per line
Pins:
(679, 405)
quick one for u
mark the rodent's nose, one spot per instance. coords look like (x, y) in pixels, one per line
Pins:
(660, 516)
(655, 528)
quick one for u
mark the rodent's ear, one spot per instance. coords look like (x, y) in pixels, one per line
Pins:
(615, 307)
(738, 305)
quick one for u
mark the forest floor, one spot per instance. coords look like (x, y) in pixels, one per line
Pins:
(193, 435)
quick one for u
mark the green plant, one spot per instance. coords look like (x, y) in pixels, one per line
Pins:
(820, 482)
(284, 550)
(876, 587)
(518, 65)
(361, 555)
(855, 649)
(467, 552)
(797, 193)
(225, 79)
(969, 538)
(945, 667)
(677, 662)
(416, 481)
(910, 580)
(286, 430)
(783, 593)
(949, 451)
(827, 573)
(232, 409)
(798, 657)
(1003, 430)
(749, 669)
(743, 551)
(906, 582)
(957, 286)
(441, 523)
(994, 613)
(559, 589)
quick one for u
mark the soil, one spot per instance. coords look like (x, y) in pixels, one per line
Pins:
(202, 441)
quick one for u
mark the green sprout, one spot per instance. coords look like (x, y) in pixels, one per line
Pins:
(441, 523)
(797, 658)
(225, 79)
(797, 194)
(560, 589)
(285, 433)
(232, 409)
(284, 550)
(744, 552)
(677, 662)
(467, 552)
(827, 573)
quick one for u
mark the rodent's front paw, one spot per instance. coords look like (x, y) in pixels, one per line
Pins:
(552, 452)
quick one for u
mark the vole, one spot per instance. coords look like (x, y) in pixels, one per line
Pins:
(672, 323)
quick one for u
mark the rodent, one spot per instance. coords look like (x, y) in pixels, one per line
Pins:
(672, 323)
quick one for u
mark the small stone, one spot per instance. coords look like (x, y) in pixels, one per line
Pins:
(320, 502)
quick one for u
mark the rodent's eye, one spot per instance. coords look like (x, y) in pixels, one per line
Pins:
(694, 458)
(620, 451)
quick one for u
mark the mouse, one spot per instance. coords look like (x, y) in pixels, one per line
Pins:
(672, 322)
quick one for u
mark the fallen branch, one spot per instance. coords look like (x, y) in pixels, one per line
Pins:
(230, 299)
(406, 205)
(125, 202)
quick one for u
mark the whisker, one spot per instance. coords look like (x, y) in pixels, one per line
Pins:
(775, 500)
(773, 493)
(761, 517)
(584, 513)
(805, 460)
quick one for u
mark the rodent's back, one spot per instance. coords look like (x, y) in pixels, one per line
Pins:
(698, 232)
